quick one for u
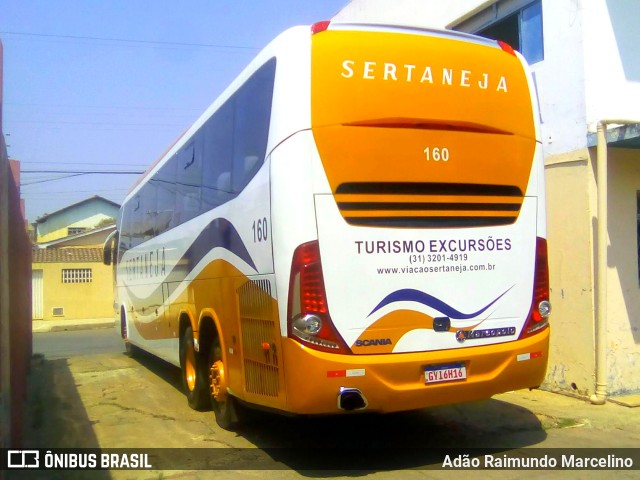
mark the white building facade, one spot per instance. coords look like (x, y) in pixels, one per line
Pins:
(585, 58)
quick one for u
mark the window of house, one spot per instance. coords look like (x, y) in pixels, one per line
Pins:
(76, 275)
(517, 22)
(75, 230)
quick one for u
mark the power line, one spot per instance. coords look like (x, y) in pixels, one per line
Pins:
(73, 192)
(128, 40)
(42, 195)
(112, 107)
(98, 124)
(87, 163)
(85, 172)
(74, 173)
(49, 180)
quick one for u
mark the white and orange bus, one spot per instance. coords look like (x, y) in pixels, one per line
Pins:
(356, 223)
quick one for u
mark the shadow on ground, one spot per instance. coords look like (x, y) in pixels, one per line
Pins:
(314, 446)
(56, 417)
(366, 442)
(381, 442)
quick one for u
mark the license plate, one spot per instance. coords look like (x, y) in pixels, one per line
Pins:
(445, 373)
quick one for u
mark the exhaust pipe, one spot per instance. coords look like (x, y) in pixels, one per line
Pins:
(350, 399)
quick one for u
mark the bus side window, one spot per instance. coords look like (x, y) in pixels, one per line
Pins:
(223, 187)
(166, 195)
(251, 125)
(217, 157)
(189, 171)
(136, 221)
(125, 226)
(149, 206)
(251, 165)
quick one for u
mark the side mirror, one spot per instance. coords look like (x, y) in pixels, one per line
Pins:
(107, 249)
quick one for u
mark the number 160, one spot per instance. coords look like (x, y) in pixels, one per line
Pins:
(437, 154)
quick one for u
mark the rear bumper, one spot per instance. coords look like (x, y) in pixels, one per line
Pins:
(395, 382)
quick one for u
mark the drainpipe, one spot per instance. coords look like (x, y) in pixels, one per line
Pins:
(600, 396)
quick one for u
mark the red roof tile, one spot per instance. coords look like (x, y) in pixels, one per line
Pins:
(66, 255)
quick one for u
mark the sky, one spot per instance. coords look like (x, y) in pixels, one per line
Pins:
(107, 86)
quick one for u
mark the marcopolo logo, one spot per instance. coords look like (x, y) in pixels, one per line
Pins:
(462, 335)
(23, 459)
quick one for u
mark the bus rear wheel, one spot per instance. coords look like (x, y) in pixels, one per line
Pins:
(224, 405)
(194, 373)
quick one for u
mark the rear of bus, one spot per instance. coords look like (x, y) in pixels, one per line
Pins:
(409, 225)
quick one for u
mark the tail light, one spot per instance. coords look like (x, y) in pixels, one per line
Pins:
(308, 319)
(540, 307)
(320, 26)
(506, 47)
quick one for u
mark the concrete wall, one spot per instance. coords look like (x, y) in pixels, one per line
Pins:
(571, 202)
(15, 301)
(623, 286)
(572, 223)
(79, 300)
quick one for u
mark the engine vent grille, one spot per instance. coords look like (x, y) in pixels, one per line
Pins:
(428, 205)
(258, 338)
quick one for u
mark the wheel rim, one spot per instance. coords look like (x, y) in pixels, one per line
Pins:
(218, 381)
(190, 367)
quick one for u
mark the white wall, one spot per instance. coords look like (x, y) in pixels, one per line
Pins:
(612, 53)
(416, 13)
(560, 78)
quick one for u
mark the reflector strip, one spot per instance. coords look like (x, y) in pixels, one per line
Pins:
(528, 356)
(353, 372)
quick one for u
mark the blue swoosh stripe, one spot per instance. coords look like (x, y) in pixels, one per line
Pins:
(412, 295)
(219, 233)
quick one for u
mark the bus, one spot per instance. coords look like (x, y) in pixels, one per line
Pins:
(357, 223)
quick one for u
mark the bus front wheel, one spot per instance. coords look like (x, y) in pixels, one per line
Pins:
(129, 348)
(194, 373)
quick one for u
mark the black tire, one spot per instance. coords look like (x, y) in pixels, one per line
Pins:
(195, 377)
(130, 350)
(224, 405)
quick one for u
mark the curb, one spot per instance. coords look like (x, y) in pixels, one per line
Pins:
(94, 326)
(57, 327)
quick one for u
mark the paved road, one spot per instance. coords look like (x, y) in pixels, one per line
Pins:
(109, 400)
(77, 342)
